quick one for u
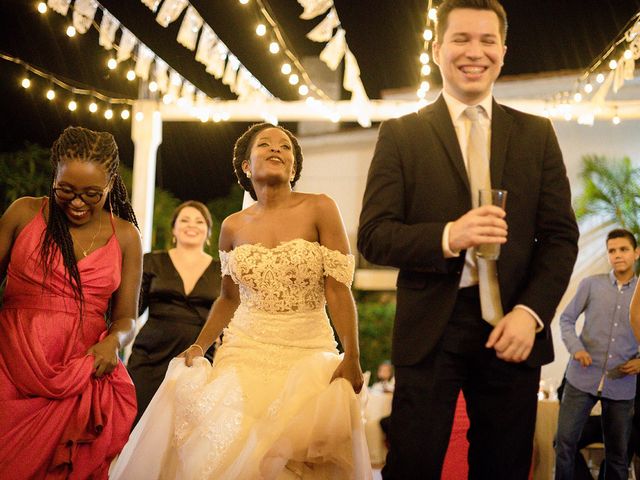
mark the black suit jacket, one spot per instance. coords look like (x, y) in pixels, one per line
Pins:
(417, 183)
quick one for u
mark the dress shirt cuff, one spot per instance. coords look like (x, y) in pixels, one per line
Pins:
(540, 326)
(448, 253)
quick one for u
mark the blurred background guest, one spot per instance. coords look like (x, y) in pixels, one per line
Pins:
(386, 380)
(179, 287)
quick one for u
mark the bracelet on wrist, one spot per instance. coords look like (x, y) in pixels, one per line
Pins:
(196, 345)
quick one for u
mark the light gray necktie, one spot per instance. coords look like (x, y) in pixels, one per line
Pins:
(480, 178)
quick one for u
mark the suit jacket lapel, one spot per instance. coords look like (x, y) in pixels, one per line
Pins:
(501, 123)
(439, 118)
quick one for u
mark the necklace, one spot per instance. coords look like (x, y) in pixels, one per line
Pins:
(85, 251)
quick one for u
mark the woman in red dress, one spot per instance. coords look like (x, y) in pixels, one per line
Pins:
(73, 265)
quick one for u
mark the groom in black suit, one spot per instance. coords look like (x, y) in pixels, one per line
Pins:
(417, 215)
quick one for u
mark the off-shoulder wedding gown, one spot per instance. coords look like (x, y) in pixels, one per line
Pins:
(266, 408)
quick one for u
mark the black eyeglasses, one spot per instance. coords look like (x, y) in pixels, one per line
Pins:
(90, 197)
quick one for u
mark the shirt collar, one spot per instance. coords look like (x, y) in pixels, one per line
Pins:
(614, 280)
(457, 108)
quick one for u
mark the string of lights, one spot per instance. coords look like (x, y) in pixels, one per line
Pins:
(424, 58)
(614, 65)
(278, 44)
(176, 88)
(74, 88)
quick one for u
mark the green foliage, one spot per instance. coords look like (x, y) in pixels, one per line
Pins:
(26, 172)
(220, 209)
(611, 191)
(375, 318)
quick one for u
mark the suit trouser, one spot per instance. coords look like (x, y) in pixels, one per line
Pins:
(501, 400)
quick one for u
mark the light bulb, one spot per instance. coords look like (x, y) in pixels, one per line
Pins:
(293, 79)
(51, 94)
(71, 31)
(424, 58)
(112, 63)
(125, 114)
(427, 34)
(628, 54)
(26, 83)
(424, 86)
(153, 86)
(613, 64)
(600, 78)
(139, 116)
(42, 7)
(72, 105)
(425, 70)
(303, 90)
(93, 107)
(616, 119)
(433, 14)
(108, 114)
(261, 30)
(588, 88)
(577, 97)
(244, 2)
(285, 69)
(274, 47)
(131, 75)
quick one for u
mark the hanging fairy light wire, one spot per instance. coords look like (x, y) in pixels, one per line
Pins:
(280, 45)
(424, 58)
(75, 89)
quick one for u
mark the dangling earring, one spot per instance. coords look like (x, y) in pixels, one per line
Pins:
(208, 242)
(174, 240)
(248, 174)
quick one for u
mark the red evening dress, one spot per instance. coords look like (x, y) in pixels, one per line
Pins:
(57, 420)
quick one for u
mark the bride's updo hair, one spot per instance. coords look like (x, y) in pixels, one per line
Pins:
(242, 152)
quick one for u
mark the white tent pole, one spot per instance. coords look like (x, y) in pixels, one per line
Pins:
(146, 132)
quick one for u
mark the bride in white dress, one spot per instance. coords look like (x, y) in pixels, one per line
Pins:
(279, 401)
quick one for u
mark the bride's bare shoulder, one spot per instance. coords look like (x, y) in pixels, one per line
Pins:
(317, 202)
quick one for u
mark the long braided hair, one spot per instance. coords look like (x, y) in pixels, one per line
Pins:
(84, 145)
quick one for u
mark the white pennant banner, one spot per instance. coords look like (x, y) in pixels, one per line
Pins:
(170, 11)
(127, 43)
(217, 57)
(334, 50)
(152, 4)
(143, 63)
(324, 30)
(188, 89)
(108, 28)
(161, 75)
(84, 11)
(59, 6)
(208, 39)
(191, 25)
(175, 84)
(351, 72)
(313, 8)
(243, 87)
(229, 77)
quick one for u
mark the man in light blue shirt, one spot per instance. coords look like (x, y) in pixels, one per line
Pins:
(599, 368)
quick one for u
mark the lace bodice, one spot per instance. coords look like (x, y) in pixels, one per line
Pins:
(286, 278)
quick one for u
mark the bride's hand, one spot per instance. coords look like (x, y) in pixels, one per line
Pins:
(190, 353)
(350, 370)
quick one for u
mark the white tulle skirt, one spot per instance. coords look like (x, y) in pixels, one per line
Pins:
(262, 411)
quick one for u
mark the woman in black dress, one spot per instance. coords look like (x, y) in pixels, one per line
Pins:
(178, 287)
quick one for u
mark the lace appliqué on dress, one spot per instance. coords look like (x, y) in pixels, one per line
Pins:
(338, 265)
(224, 262)
(285, 278)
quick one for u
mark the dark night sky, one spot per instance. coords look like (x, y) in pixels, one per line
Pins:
(194, 159)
